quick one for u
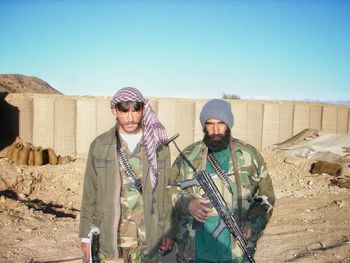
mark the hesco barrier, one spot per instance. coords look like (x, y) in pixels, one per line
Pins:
(68, 124)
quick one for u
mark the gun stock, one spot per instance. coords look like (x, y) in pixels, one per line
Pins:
(95, 244)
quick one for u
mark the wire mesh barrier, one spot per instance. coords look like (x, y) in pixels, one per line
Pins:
(68, 124)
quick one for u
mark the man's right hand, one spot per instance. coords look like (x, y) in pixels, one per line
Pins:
(198, 209)
(86, 251)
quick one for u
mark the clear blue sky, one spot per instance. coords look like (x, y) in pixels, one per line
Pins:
(190, 49)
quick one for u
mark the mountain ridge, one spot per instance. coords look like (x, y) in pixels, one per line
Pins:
(17, 83)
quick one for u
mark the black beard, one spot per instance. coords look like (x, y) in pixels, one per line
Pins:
(216, 143)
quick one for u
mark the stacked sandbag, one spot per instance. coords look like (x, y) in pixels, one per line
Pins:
(338, 170)
(27, 154)
(9, 149)
(38, 156)
(53, 159)
(23, 155)
(31, 156)
(14, 154)
(321, 167)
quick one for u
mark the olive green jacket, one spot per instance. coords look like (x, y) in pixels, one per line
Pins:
(100, 204)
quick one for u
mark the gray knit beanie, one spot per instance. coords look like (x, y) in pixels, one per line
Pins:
(217, 109)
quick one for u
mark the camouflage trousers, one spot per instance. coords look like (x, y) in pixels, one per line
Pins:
(180, 259)
(133, 255)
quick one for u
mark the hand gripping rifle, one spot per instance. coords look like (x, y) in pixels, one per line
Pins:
(204, 180)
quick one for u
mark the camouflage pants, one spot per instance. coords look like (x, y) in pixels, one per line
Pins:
(203, 261)
(133, 255)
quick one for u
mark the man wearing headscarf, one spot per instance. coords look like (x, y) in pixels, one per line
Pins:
(239, 172)
(124, 192)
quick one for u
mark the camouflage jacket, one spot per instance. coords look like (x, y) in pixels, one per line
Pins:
(101, 200)
(257, 195)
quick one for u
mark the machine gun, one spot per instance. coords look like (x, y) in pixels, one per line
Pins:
(227, 220)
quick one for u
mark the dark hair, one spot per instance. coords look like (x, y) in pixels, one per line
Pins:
(124, 106)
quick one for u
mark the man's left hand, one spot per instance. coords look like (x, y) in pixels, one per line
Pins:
(167, 245)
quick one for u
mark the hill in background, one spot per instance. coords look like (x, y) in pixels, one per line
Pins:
(16, 83)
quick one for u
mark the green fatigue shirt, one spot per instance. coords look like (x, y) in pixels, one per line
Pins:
(257, 202)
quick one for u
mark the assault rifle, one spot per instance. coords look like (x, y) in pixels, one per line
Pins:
(227, 220)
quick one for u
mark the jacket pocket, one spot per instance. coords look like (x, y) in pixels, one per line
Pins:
(103, 166)
(101, 163)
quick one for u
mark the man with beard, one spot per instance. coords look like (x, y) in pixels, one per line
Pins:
(240, 174)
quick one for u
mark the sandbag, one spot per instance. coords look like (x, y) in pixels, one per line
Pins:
(15, 152)
(321, 167)
(31, 156)
(38, 155)
(8, 150)
(23, 155)
(52, 156)
(45, 156)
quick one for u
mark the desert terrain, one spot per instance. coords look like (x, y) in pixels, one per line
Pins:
(39, 213)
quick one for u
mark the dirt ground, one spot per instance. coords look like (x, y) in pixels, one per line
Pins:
(39, 213)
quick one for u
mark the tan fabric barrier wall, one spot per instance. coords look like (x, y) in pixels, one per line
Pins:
(255, 118)
(316, 116)
(198, 130)
(86, 124)
(239, 129)
(301, 118)
(65, 126)
(248, 121)
(285, 121)
(104, 117)
(25, 122)
(270, 124)
(44, 122)
(69, 123)
(329, 120)
(342, 120)
(178, 117)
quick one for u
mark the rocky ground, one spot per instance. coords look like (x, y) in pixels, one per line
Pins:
(39, 213)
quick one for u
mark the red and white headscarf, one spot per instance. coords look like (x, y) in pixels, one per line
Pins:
(154, 132)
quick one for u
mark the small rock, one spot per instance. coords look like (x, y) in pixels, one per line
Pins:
(340, 203)
(22, 196)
